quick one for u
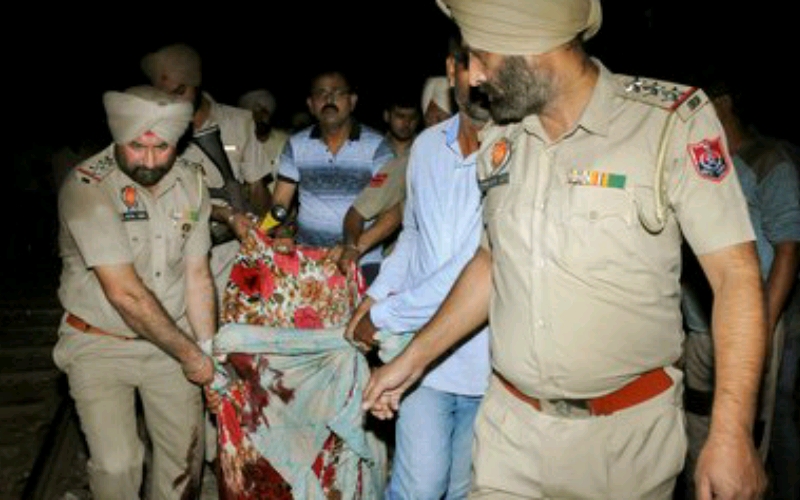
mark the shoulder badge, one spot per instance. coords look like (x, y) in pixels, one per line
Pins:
(497, 156)
(96, 169)
(378, 179)
(500, 153)
(133, 209)
(709, 159)
(672, 97)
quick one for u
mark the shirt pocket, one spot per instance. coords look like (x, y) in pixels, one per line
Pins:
(183, 226)
(597, 227)
(138, 236)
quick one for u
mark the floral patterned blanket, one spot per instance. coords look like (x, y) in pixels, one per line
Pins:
(291, 426)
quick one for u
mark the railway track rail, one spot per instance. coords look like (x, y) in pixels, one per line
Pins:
(42, 455)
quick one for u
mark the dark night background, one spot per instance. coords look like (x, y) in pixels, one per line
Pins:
(59, 60)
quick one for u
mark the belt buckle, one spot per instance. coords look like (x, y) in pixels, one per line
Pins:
(570, 407)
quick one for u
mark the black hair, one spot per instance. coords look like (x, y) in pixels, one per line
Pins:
(332, 72)
(404, 95)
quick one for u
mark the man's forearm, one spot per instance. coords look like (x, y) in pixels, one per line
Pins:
(740, 335)
(352, 227)
(283, 193)
(385, 224)
(259, 196)
(146, 316)
(201, 303)
(464, 310)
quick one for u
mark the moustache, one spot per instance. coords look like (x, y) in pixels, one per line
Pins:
(490, 91)
(330, 106)
(479, 97)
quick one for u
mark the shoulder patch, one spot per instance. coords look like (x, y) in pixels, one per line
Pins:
(709, 159)
(378, 179)
(497, 147)
(672, 97)
(96, 169)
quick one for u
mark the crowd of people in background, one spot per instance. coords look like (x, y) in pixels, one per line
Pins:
(533, 276)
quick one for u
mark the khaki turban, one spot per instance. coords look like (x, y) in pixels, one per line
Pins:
(178, 62)
(521, 27)
(144, 109)
(258, 98)
(437, 89)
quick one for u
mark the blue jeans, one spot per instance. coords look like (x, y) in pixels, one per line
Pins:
(433, 446)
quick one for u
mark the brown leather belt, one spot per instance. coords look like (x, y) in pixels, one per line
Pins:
(642, 388)
(81, 325)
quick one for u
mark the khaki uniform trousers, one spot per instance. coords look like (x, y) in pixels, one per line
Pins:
(520, 452)
(104, 374)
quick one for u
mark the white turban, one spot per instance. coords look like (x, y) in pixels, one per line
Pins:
(178, 62)
(521, 27)
(258, 98)
(144, 109)
(437, 89)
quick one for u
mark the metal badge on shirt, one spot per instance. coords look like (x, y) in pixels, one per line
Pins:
(133, 209)
(499, 157)
(185, 219)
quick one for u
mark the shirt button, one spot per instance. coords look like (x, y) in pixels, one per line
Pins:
(158, 236)
(158, 274)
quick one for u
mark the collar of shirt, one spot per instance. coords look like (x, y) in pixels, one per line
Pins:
(355, 131)
(450, 131)
(598, 112)
(210, 120)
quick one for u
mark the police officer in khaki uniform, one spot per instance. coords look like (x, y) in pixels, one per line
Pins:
(381, 202)
(261, 103)
(177, 69)
(139, 298)
(589, 187)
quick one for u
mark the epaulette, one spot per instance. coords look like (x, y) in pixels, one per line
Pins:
(672, 97)
(96, 169)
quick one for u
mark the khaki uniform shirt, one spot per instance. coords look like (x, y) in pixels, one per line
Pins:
(247, 158)
(386, 188)
(584, 297)
(106, 218)
(273, 148)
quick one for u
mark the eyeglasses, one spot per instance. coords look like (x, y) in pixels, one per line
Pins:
(326, 94)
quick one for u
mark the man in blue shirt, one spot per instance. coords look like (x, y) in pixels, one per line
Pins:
(328, 164)
(441, 230)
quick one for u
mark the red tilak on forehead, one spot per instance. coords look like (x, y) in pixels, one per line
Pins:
(150, 133)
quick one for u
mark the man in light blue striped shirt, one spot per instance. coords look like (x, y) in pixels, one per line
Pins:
(329, 163)
(441, 231)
